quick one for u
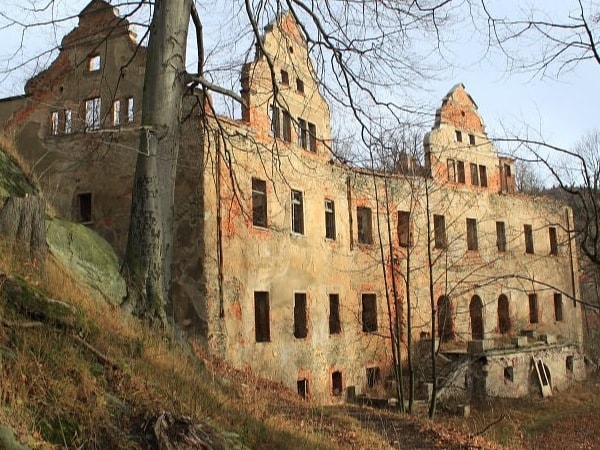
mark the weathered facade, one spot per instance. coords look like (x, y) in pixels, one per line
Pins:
(286, 258)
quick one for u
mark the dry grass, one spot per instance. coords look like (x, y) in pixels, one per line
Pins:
(8, 146)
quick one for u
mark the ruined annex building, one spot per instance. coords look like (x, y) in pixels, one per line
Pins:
(278, 258)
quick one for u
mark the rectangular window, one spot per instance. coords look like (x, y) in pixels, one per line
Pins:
(404, 239)
(474, 174)
(287, 126)
(261, 317)
(299, 85)
(528, 231)
(472, 243)
(439, 231)
(94, 63)
(116, 112)
(302, 133)
(302, 386)
(558, 307)
(93, 109)
(130, 109)
(297, 212)
(483, 176)
(373, 377)
(329, 219)
(460, 172)
(451, 170)
(553, 241)
(312, 137)
(275, 125)
(472, 139)
(84, 207)
(364, 223)
(458, 135)
(68, 121)
(259, 202)
(369, 313)
(533, 308)
(285, 78)
(335, 325)
(501, 236)
(336, 383)
(54, 123)
(300, 322)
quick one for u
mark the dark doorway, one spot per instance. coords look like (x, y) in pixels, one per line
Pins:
(476, 313)
(503, 315)
(444, 316)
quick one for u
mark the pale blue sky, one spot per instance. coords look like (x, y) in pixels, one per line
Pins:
(561, 109)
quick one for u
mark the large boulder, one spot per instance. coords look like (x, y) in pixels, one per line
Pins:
(88, 257)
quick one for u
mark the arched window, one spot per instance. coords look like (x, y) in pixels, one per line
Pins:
(476, 314)
(503, 315)
(444, 316)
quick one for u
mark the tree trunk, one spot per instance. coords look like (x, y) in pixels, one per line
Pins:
(150, 242)
(22, 223)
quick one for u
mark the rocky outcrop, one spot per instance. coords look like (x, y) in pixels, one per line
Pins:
(88, 258)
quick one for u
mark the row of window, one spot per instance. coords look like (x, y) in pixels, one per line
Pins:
(285, 80)
(281, 127)
(61, 122)
(372, 374)
(458, 136)
(456, 173)
(404, 232)
(534, 308)
(262, 323)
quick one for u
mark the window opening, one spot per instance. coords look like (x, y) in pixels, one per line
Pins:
(299, 85)
(68, 121)
(54, 123)
(117, 113)
(94, 63)
(483, 176)
(444, 316)
(553, 241)
(302, 133)
(336, 383)
(476, 315)
(458, 135)
(302, 386)
(569, 363)
(451, 170)
(509, 374)
(285, 78)
(312, 137)
(501, 236)
(275, 125)
(300, 322)
(130, 109)
(373, 377)
(329, 219)
(259, 202)
(364, 223)
(460, 172)
(369, 313)
(297, 212)
(335, 325)
(472, 139)
(261, 317)
(503, 314)
(287, 126)
(93, 108)
(404, 235)
(533, 308)
(528, 231)
(84, 206)
(558, 307)
(472, 242)
(439, 231)
(474, 174)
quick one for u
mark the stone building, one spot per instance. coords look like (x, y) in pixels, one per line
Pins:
(285, 257)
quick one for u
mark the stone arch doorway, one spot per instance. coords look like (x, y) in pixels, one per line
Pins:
(476, 314)
(444, 317)
(503, 315)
